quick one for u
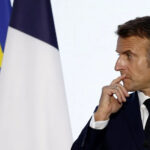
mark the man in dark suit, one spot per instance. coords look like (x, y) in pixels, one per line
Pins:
(122, 122)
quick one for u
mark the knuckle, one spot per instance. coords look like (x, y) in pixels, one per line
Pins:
(113, 81)
(104, 88)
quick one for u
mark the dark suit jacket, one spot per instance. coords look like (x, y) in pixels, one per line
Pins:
(123, 132)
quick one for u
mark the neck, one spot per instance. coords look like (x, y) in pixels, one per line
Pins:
(146, 91)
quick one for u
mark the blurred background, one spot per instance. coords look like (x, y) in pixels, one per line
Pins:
(87, 42)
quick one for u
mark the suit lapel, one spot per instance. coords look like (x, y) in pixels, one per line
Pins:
(133, 117)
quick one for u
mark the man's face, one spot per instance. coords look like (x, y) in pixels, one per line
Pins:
(132, 61)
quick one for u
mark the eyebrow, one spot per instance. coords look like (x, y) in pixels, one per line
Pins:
(127, 52)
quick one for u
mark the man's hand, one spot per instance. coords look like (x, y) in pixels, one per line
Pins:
(108, 103)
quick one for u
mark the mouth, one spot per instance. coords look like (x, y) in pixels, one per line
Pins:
(126, 80)
(127, 76)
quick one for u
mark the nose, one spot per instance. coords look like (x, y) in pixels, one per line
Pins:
(120, 64)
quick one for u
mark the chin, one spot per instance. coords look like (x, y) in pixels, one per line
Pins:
(128, 87)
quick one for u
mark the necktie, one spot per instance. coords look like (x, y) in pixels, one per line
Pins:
(147, 127)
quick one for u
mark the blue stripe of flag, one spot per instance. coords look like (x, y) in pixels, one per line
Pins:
(5, 11)
(31, 17)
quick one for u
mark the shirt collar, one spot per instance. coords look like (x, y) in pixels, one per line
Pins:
(142, 97)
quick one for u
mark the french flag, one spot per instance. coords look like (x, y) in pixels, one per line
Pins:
(33, 107)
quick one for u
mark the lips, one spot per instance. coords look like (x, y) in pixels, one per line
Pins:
(126, 77)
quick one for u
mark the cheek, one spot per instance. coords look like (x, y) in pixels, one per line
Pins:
(136, 72)
(141, 73)
(140, 67)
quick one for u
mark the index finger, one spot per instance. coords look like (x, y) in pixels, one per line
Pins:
(117, 80)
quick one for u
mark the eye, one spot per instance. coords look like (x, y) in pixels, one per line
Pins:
(129, 55)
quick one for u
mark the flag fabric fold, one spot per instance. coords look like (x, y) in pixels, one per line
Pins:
(5, 11)
(33, 107)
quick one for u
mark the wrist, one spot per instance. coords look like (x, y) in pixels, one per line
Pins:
(101, 116)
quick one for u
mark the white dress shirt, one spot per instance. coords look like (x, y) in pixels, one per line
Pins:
(144, 114)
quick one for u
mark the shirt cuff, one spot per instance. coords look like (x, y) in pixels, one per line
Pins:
(98, 124)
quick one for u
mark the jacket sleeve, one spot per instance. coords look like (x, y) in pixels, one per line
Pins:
(90, 139)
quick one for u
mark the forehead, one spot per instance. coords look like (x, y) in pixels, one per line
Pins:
(133, 43)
